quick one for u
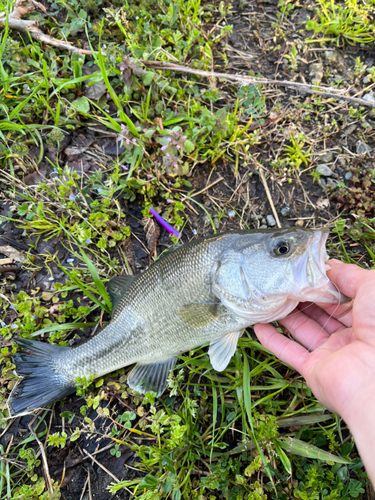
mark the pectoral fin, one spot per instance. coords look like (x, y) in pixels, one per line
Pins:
(200, 314)
(152, 377)
(222, 350)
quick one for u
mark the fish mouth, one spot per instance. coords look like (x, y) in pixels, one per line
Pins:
(320, 289)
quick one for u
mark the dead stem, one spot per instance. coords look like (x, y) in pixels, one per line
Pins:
(23, 8)
(246, 80)
(44, 458)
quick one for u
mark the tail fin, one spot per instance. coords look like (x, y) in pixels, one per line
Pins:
(42, 383)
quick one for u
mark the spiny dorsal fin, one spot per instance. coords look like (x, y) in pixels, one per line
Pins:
(152, 377)
(170, 250)
(222, 350)
(117, 287)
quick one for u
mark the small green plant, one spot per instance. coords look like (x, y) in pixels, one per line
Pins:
(351, 22)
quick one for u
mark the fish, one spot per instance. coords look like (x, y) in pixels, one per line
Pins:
(207, 291)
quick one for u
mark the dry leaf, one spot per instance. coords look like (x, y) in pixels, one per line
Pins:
(322, 203)
(12, 253)
(152, 231)
(128, 250)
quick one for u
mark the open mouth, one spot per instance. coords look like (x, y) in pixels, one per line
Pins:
(320, 288)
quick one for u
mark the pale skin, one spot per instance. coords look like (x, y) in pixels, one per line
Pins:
(334, 350)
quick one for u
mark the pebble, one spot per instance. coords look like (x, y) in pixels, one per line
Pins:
(263, 221)
(263, 226)
(348, 176)
(327, 157)
(217, 223)
(271, 222)
(362, 148)
(331, 182)
(300, 223)
(324, 170)
(323, 183)
(316, 72)
(285, 211)
(231, 213)
(371, 99)
(332, 56)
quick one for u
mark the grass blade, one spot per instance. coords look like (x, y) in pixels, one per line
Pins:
(302, 449)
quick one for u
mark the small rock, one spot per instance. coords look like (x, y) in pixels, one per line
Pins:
(263, 226)
(366, 124)
(332, 56)
(316, 72)
(348, 176)
(350, 129)
(334, 175)
(331, 182)
(263, 221)
(217, 223)
(300, 223)
(324, 170)
(362, 148)
(371, 99)
(327, 157)
(271, 222)
(207, 204)
(231, 214)
(285, 211)
(323, 183)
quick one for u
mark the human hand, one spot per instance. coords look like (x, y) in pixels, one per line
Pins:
(335, 352)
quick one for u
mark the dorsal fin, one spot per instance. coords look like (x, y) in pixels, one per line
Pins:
(117, 287)
(170, 250)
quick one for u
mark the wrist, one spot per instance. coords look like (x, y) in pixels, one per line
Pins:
(360, 418)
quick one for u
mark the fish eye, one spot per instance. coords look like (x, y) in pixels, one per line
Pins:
(282, 248)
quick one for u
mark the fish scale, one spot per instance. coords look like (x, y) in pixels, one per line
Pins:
(204, 292)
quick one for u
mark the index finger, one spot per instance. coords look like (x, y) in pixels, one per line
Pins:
(348, 277)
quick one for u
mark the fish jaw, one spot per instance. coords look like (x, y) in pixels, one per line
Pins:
(311, 270)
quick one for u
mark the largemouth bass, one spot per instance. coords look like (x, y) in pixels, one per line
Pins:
(205, 292)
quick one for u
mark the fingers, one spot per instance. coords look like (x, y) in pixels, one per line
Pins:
(305, 330)
(290, 352)
(348, 277)
(342, 312)
(364, 313)
(325, 320)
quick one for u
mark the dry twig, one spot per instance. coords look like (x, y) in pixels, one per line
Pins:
(44, 457)
(23, 8)
(264, 181)
(246, 80)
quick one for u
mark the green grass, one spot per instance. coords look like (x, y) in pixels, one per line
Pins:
(349, 21)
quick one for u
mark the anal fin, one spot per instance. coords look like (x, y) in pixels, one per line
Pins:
(221, 350)
(151, 377)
